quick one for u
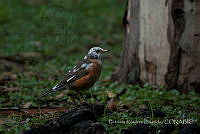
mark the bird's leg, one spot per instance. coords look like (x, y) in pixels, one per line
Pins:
(91, 94)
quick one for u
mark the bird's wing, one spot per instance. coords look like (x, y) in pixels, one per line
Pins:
(79, 71)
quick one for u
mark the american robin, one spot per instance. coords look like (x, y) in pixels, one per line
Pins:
(84, 74)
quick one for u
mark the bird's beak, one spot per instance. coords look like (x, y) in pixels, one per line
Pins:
(104, 51)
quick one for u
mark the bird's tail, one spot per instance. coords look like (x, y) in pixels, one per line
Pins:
(48, 91)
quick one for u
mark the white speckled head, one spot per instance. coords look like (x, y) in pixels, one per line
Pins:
(96, 52)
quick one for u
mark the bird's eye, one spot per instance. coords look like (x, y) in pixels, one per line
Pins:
(98, 51)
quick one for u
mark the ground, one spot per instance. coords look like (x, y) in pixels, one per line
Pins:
(41, 40)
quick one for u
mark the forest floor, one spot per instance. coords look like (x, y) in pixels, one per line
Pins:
(41, 40)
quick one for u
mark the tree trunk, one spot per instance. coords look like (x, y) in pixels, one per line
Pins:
(162, 44)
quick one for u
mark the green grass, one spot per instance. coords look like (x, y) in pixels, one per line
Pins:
(89, 22)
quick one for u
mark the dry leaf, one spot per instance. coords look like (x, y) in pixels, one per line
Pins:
(8, 76)
(125, 107)
(4, 121)
(110, 94)
(9, 89)
(36, 43)
(27, 105)
(31, 55)
(23, 58)
(143, 106)
(59, 96)
(112, 104)
(12, 89)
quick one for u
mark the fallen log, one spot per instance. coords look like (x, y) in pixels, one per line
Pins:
(31, 111)
(79, 120)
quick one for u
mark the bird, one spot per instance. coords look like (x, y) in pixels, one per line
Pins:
(83, 75)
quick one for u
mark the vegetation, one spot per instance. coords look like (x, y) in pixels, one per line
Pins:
(41, 40)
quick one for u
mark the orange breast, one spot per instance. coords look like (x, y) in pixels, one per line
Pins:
(89, 80)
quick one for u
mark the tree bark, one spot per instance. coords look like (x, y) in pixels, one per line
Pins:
(162, 44)
(128, 70)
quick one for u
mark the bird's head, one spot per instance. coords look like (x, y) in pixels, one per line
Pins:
(96, 52)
